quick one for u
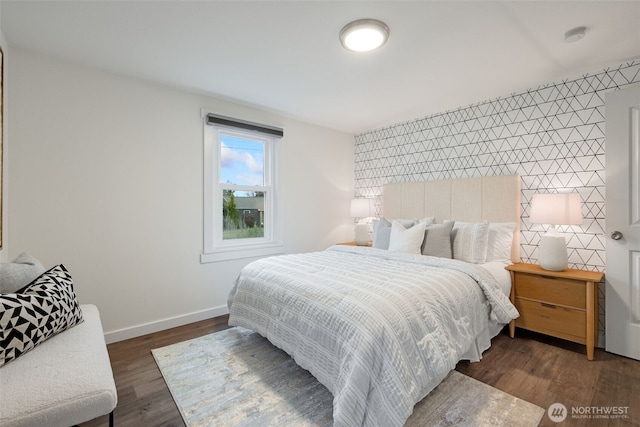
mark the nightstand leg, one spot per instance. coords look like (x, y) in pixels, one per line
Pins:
(590, 320)
(512, 297)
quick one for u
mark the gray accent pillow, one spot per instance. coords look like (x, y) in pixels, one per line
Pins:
(19, 273)
(437, 240)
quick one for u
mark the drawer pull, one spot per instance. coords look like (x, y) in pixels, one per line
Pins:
(544, 304)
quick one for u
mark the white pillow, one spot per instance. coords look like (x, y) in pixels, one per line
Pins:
(382, 229)
(408, 240)
(471, 241)
(500, 241)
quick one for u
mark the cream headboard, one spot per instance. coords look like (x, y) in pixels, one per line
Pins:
(495, 198)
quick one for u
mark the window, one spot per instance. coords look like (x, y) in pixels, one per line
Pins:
(241, 209)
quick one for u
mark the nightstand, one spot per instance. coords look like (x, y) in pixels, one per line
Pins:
(353, 244)
(563, 304)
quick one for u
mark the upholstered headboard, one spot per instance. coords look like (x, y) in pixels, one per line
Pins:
(495, 198)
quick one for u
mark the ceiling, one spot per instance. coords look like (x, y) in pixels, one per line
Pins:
(285, 55)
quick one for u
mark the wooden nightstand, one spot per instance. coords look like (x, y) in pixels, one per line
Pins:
(352, 244)
(563, 304)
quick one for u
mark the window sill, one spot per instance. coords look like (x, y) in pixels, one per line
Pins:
(230, 254)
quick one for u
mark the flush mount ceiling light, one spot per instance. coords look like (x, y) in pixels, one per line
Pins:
(574, 35)
(364, 35)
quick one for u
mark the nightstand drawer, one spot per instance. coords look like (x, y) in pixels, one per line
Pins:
(546, 318)
(554, 290)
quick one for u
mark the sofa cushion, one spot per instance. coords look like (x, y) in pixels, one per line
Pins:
(65, 381)
(19, 273)
(30, 316)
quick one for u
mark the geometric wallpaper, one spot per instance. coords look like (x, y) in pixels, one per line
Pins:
(552, 136)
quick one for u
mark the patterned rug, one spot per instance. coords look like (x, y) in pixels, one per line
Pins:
(237, 378)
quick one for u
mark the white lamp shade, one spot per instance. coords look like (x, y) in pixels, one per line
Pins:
(361, 208)
(556, 209)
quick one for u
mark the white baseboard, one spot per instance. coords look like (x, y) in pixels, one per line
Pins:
(161, 325)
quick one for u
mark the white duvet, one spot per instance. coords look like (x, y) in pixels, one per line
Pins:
(379, 329)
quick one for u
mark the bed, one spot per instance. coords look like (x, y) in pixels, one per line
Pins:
(380, 326)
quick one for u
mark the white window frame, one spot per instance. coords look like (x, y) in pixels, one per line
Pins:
(215, 247)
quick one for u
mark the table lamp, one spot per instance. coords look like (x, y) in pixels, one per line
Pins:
(554, 209)
(363, 209)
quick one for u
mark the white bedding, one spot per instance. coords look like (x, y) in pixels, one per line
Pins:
(502, 276)
(379, 329)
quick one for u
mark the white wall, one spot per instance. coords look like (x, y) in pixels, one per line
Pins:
(106, 177)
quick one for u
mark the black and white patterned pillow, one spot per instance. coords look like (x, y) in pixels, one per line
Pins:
(31, 315)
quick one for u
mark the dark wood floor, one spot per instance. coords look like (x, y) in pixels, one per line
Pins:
(533, 367)
(544, 370)
(143, 397)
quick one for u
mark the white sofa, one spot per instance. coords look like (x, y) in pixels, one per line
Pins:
(64, 381)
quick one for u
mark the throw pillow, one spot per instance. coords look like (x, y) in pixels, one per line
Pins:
(408, 240)
(382, 229)
(470, 242)
(19, 273)
(437, 240)
(500, 241)
(43, 308)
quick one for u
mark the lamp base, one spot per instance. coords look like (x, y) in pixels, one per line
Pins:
(552, 252)
(362, 237)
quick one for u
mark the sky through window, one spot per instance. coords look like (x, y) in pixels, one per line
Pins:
(241, 161)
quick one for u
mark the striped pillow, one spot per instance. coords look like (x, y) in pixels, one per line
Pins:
(471, 241)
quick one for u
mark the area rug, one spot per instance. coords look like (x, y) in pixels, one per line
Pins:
(237, 378)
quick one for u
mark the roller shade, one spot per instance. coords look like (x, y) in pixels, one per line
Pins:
(213, 119)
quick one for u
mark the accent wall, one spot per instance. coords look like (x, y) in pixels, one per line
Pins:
(553, 136)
